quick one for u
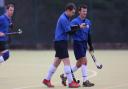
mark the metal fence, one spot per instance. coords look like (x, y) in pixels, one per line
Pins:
(37, 19)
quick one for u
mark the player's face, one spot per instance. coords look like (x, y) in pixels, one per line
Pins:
(83, 12)
(10, 11)
(71, 13)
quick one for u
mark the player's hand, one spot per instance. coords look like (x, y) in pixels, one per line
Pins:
(91, 49)
(11, 26)
(2, 34)
(82, 26)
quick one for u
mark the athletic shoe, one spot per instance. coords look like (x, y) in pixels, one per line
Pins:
(47, 83)
(87, 83)
(63, 79)
(73, 85)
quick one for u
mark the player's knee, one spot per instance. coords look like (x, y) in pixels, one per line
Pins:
(84, 61)
(78, 63)
(57, 62)
(6, 55)
(66, 61)
(78, 66)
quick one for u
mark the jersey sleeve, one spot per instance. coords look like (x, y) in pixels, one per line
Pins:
(73, 22)
(1, 21)
(90, 25)
(89, 36)
(65, 25)
(74, 25)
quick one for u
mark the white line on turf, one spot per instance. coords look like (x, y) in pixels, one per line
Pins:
(94, 73)
(116, 86)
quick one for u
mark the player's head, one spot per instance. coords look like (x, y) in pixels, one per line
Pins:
(70, 9)
(9, 9)
(83, 11)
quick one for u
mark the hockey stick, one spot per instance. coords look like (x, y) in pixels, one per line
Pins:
(14, 33)
(73, 76)
(98, 65)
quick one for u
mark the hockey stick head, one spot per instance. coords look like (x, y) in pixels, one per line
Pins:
(98, 65)
(20, 31)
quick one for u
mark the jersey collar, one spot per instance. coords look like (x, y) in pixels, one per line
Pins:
(66, 16)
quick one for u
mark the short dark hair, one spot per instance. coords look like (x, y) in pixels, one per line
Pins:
(82, 6)
(70, 6)
(9, 5)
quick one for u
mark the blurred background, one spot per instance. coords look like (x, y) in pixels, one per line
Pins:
(37, 19)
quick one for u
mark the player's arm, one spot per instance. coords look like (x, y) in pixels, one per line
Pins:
(67, 26)
(71, 28)
(1, 20)
(75, 26)
(1, 33)
(11, 26)
(91, 48)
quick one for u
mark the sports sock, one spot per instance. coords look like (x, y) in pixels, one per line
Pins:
(1, 59)
(84, 72)
(67, 70)
(74, 68)
(51, 71)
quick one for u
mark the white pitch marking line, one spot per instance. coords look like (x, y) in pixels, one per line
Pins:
(116, 86)
(94, 73)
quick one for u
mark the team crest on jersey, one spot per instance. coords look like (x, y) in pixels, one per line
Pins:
(87, 26)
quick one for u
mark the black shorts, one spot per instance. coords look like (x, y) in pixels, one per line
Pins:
(79, 48)
(61, 48)
(3, 45)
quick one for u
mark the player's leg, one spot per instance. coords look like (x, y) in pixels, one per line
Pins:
(84, 68)
(78, 52)
(1, 58)
(67, 68)
(53, 66)
(4, 52)
(80, 55)
(74, 68)
(86, 82)
(51, 71)
(77, 66)
(64, 77)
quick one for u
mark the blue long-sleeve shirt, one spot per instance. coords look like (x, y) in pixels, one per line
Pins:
(81, 34)
(4, 26)
(62, 27)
